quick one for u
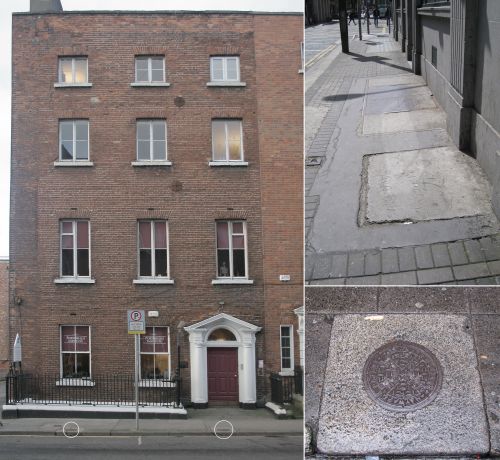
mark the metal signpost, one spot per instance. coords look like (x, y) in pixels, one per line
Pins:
(136, 325)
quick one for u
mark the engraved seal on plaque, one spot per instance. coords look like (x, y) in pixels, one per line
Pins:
(402, 376)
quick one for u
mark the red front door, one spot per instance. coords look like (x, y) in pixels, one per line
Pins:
(222, 364)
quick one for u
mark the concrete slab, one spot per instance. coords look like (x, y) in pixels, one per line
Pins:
(396, 80)
(423, 185)
(391, 103)
(351, 423)
(418, 120)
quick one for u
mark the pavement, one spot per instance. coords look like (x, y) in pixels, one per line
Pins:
(389, 198)
(459, 326)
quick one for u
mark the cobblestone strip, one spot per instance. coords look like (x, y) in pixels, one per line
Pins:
(464, 262)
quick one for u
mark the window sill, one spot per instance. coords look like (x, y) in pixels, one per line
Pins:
(153, 281)
(72, 85)
(228, 163)
(301, 71)
(288, 373)
(74, 164)
(74, 281)
(227, 83)
(156, 384)
(139, 84)
(151, 163)
(75, 383)
(232, 281)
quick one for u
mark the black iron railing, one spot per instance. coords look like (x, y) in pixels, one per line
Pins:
(111, 390)
(283, 387)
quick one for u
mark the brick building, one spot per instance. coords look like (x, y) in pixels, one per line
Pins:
(4, 315)
(157, 165)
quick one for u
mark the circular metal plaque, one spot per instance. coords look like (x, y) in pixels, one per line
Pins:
(402, 376)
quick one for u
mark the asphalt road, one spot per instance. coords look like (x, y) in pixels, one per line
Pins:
(149, 447)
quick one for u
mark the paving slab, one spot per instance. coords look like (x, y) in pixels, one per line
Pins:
(417, 120)
(352, 423)
(424, 185)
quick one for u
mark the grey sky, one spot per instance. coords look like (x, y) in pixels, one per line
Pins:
(9, 6)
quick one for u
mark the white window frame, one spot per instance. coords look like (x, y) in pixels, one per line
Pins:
(69, 380)
(242, 153)
(152, 229)
(75, 259)
(144, 382)
(73, 59)
(150, 67)
(163, 161)
(74, 160)
(230, 236)
(291, 369)
(224, 68)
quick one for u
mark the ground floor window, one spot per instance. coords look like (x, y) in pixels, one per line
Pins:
(286, 342)
(155, 353)
(75, 351)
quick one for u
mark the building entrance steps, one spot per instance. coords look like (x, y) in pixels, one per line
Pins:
(385, 186)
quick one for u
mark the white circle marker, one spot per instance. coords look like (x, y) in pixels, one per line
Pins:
(223, 437)
(77, 430)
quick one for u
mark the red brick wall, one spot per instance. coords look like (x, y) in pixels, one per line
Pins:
(4, 310)
(113, 194)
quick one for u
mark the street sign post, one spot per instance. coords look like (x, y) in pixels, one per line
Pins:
(136, 326)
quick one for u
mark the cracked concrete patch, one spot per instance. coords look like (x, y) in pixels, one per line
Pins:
(351, 423)
(423, 185)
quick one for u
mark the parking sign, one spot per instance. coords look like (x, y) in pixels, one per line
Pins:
(136, 322)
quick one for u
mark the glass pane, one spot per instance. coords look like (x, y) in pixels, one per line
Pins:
(67, 241)
(80, 70)
(66, 129)
(82, 342)
(286, 363)
(285, 331)
(157, 75)
(223, 262)
(82, 235)
(161, 366)
(67, 227)
(82, 130)
(217, 69)
(147, 341)
(157, 63)
(159, 151)
(142, 76)
(68, 364)
(141, 63)
(82, 150)
(158, 130)
(147, 366)
(239, 263)
(67, 342)
(67, 262)
(222, 335)
(238, 242)
(144, 234)
(65, 71)
(219, 140)
(232, 68)
(67, 150)
(82, 365)
(82, 262)
(222, 235)
(145, 262)
(160, 262)
(143, 130)
(238, 227)
(285, 341)
(161, 340)
(143, 152)
(234, 140)
(160, 235)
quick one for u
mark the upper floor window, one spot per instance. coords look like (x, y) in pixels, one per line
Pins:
(225, 68)
(73, 70)
(75, 352)
(153, 249)
(149, 69)
(231, 249)
(75, 248)
(155, 353)
(227, 140)
(151, 140)
(74, 140)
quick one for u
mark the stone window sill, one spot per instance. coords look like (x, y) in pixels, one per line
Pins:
(75, 383)
(232, 281)
(228, 163)
(155, 384)
(153, 281)
(151, 163)
(72, 85)
(74, 163)
(227, 83)
(287, 373)
(74, 281)
(139, 84)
